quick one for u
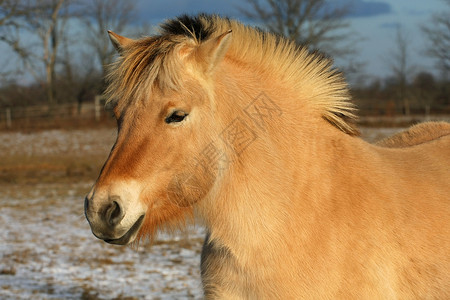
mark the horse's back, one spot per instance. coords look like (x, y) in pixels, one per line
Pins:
(418, 134)
(422, 155)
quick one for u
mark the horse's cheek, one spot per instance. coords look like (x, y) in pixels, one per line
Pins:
(187, 189)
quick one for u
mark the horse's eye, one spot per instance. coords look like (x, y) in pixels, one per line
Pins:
(176, 117)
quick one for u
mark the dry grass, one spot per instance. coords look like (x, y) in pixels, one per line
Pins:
(53, 156)
(48, 169)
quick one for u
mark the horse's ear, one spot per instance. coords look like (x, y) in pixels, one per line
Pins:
(118, 41)
(212, 51)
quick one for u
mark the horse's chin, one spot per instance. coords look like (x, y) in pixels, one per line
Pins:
(130, 235)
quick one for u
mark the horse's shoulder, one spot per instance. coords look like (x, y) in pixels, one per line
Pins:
(415, 135)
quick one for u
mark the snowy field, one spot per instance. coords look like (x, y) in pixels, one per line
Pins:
(47, 250)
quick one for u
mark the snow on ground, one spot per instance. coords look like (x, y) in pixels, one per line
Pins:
(47, 250)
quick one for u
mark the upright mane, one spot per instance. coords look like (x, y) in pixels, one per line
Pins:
(151, 61)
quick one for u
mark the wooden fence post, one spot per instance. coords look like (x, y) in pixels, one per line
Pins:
(8, 118)
(97, 108)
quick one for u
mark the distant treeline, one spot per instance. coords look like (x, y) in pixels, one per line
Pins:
(424, 95)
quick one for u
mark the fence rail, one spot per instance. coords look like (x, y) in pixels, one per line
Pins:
(45, 116)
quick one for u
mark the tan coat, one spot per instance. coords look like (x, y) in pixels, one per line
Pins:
(254, 135)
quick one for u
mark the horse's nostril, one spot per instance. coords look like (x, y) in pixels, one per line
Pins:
(114, 213)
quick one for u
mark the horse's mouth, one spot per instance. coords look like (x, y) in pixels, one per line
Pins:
(130, 235)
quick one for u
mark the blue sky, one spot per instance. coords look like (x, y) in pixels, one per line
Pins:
(374, 23)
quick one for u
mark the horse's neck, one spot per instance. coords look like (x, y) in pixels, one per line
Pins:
(278, 182)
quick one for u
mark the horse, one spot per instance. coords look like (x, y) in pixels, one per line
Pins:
(417, 134)
(255, 137)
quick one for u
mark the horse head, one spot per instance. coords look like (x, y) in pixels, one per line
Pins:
(163, 102)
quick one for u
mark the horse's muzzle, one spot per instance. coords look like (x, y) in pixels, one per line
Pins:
(112, 219)
(130, 235)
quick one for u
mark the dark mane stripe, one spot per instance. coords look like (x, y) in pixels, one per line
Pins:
(186, 25)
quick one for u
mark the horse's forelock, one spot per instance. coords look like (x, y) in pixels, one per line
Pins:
(146, 64)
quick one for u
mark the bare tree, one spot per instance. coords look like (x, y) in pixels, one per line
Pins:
(319, 24)
(438, 33)
(11, 13)
(47, 27)
(399, 61)
(425, 90)
(10, 10)
(12, 16)
(79, 77)
(44, 19)
(103, 15)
